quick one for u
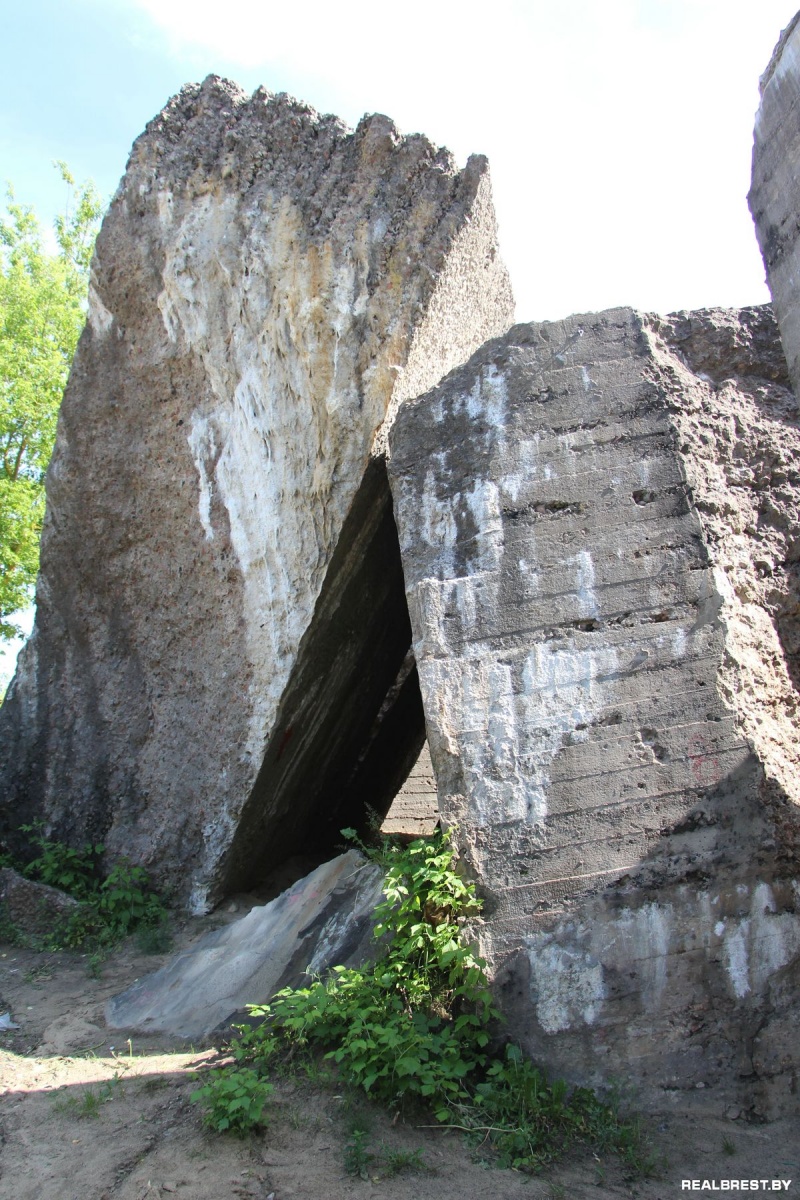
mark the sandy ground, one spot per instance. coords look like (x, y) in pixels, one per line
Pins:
(86, 1114)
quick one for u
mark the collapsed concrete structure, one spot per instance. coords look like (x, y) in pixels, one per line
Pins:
(597, 559)
(218, 674)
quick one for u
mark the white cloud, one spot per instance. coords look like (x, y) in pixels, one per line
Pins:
(619, 133)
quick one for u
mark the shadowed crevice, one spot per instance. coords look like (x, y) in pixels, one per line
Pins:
(351, 723)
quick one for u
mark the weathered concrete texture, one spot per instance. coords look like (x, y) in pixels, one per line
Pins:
(775, 191)
(324, 920)
(266, 287)
(739, 439)
(598, 526)
(415, 808)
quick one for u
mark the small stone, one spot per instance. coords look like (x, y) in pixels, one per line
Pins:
(34, 908)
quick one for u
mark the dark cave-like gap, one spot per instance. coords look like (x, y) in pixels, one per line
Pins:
(351, 724)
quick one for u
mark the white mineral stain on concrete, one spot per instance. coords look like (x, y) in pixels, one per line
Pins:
(202, 445)
(566, 987)
(758, 945)
(483, 502)
(737, 958)
(488, 398)
(437, 524)
(646, 944)
(587, 598)
(506, 722)
(164, 202)
(100, 319)
(528, 469)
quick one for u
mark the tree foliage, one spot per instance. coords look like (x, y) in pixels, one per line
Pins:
(42, 311)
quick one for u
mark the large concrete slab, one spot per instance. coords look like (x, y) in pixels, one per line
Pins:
(220, 615)
(598, 523)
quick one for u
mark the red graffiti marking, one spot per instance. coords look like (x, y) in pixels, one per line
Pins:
(287, 737)
(705, 764)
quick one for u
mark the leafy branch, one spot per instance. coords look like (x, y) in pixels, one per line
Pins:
(43, 300)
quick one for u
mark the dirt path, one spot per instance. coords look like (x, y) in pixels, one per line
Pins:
(87, 1115)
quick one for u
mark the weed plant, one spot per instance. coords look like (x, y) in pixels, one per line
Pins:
(414, 1023)
(362, 1161)
(110, 907)
(87, 1105)
(233, 1100)
(358, 1158)
(73, 871)
(528, 1121)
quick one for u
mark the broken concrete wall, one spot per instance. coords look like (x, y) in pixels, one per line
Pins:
(598, 526)
(267, 286)
(776, 185)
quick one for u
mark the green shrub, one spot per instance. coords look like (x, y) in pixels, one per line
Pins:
(125, 901)
(233, 1100)
(73, 871)
(110, 909)
(414, 1022)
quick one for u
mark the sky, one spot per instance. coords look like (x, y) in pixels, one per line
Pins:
(619, 133)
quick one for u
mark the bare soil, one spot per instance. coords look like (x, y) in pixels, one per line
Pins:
(86, 1114)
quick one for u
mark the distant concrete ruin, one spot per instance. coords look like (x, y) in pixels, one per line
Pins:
(313, 497)
(774, 192)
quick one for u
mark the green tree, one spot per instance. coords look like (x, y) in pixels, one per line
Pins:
(42, 311)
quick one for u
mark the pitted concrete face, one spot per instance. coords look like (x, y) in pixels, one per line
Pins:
(268, 288)
(575, 630)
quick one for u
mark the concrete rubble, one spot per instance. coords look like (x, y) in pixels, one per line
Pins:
(33, 909)
(323, 920)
